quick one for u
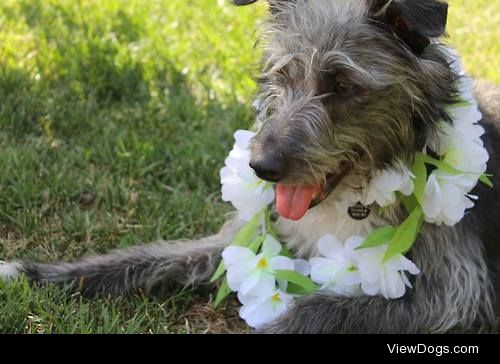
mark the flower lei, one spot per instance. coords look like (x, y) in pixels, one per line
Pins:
(263, 272)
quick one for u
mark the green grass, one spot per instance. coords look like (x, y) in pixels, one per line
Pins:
(115, 117)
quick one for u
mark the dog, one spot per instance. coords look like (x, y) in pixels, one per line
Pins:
(346, 88)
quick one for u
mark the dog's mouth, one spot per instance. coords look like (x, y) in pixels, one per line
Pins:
(293, 201)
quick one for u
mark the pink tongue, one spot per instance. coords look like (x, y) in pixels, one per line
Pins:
(292, 202)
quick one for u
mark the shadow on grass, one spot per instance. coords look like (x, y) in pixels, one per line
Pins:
(102, 148)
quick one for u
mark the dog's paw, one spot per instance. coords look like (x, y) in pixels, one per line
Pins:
(9, 271)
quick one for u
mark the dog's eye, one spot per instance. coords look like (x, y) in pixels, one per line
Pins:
(343, 88)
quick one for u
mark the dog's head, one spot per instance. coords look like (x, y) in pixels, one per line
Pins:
(346, 86)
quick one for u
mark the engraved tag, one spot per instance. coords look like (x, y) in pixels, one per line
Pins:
(358, 211)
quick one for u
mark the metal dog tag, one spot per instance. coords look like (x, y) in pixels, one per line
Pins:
(358, 211)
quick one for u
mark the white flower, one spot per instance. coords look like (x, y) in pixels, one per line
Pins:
(252, 274)
(465, 120)
(453, 136)
(465, 89)
(385, 278)
(465, 83)
(240, 186)
(258, 311)
(384, 184)
(445, 197)
(336, 270)
(464, 116)
(302, 266)
(470, 157)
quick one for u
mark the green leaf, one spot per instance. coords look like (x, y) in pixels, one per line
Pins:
(293, 288)
(256, 243)
(243, 238)
(269, 225)
(420, 172)
(269, 230)
(410, 202)
(486, 180)
(428, 159)
(218, 272)
(440, 164)
(267, 185)
(291, 276)
(287, 253)
(378, 237)
(406, 234)
(223, 292)
(247, 232)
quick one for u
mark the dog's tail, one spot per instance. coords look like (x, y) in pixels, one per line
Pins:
(142, 267)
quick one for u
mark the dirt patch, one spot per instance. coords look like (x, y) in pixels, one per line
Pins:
(203, 318)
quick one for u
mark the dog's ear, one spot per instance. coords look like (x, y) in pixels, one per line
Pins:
(413, 21)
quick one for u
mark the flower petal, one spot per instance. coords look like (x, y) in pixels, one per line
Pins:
(250, 282)
(236, 254)
(263, 286)
(370, 263)
(322, 270)
(245, 298)
(243, 138)
(302, 266)
(405, 280)
(400, 263)
(255, 313)
(263, 310)
(329, 246)
(432, 197)
(347, 290)
(271, 247)
(237, 274)
(351, 278)
(240, 186)
(393, 286)
(371, 289)
(352, 243)
(281, 263)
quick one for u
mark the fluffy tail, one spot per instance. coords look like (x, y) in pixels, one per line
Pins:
(143, 267)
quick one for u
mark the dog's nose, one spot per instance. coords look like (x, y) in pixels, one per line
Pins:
(270, 168)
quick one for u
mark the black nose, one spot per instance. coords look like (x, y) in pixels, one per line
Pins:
(270, 168)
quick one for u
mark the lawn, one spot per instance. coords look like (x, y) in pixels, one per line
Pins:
(115, 117)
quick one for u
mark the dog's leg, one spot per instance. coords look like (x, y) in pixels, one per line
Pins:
(453, 292)
(140, 267)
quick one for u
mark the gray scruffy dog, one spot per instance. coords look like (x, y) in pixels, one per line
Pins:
(347, 87)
